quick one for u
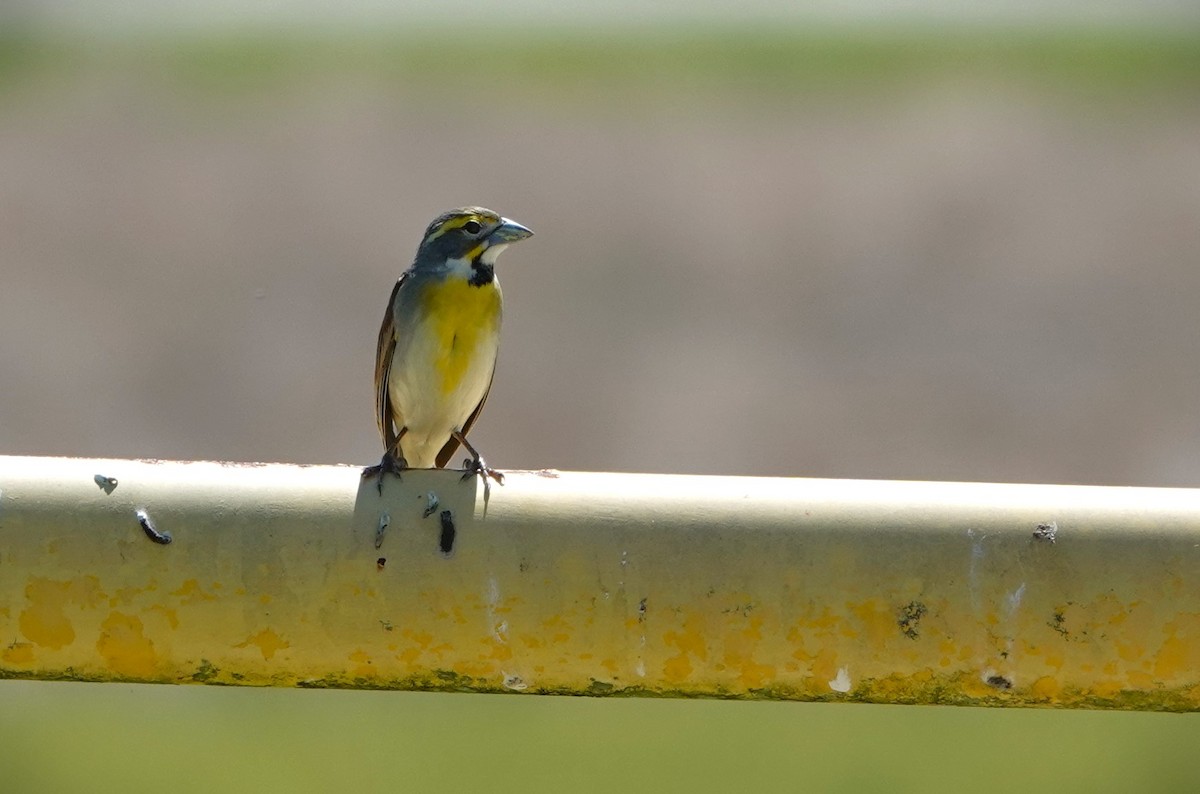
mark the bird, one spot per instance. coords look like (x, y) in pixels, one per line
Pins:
(436, 354)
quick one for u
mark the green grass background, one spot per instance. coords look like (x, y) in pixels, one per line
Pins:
(110, 737)
(584, 67)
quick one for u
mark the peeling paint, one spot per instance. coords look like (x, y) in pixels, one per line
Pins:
(44, 620)
(361, 664)
(19, 653)
(170, 615)
(266, 641)
(191, 592)
(690, 643)
(124, 647)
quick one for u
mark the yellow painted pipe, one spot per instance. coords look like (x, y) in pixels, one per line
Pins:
(601, 584)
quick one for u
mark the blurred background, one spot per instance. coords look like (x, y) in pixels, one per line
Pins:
(862, 239)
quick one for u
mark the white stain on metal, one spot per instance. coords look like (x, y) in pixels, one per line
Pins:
(996, 680)
(431, 504)
(381, 529)
(514, 682)
(841, 682)
(977, 554)
(1014, 599)
(640, 669)
(498, 629)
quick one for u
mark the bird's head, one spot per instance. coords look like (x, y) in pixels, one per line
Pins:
(474, 234)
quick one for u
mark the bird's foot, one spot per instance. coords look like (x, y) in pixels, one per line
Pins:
(477, 465)
(388, 465)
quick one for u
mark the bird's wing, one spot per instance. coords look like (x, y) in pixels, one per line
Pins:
(443, 457)
(384, 410)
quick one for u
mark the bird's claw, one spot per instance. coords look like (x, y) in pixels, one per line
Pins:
(388, 465)
(473, 466)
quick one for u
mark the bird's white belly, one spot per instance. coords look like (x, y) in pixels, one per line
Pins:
(427, 410)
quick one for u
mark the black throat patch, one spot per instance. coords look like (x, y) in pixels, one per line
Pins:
(484, 274)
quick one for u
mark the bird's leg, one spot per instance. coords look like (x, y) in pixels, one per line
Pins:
(476, 464)
(392, 463)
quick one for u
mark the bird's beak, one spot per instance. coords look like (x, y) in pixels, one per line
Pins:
(508, 232)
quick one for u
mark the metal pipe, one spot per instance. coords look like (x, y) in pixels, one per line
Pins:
(601, 584)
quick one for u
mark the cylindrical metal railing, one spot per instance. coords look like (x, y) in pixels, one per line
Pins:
(600, 584)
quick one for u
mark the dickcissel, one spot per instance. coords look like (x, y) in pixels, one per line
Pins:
(438, 343)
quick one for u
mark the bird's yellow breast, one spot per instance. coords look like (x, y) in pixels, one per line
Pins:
(460, 316)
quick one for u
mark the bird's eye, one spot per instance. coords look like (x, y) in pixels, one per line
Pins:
(472, 227)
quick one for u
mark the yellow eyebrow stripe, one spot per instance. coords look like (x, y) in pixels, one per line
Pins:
(454, 223)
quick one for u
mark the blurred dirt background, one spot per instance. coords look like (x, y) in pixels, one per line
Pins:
(946, 274)
(953, 279)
